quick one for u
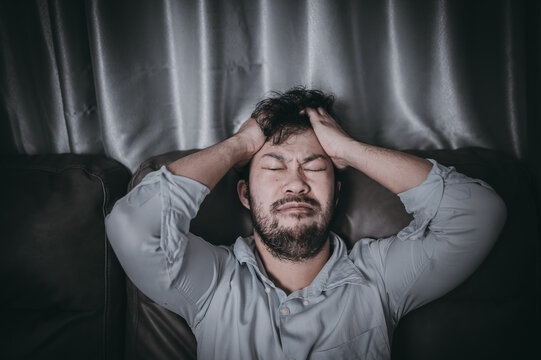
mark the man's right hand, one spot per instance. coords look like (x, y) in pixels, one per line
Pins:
(251, 138)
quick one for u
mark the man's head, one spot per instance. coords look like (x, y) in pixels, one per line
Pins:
(290, 187)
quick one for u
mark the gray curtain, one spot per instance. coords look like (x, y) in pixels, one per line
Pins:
(132, 79)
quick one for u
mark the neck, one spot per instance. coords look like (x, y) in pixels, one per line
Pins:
(291, 276)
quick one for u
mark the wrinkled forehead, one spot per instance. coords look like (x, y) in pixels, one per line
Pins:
(296, 146)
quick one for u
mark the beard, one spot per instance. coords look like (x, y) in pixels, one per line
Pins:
(296, 243)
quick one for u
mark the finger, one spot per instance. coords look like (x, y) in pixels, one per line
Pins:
(313, 116)
(312, 113)
(322, 112)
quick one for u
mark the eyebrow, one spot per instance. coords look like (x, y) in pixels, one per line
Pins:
(275, 156)
(304, 161)
(312, 158)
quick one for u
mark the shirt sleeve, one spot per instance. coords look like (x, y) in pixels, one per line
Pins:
(456, 221)
(149, 232)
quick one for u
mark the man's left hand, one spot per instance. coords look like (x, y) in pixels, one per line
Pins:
(331, 136)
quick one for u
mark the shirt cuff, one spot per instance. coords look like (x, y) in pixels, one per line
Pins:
(424, 200)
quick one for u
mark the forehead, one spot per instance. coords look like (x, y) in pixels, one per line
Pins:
(296, 146)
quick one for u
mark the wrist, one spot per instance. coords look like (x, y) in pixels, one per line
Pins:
(346, 152)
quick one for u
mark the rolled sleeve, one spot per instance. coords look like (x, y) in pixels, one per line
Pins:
(181, 198)
(423, 201)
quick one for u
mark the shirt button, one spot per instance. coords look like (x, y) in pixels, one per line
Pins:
(305, 302)
(267, 290)
(285, 311)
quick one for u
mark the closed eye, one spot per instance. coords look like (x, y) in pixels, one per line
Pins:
(274, 169)
(319, 169)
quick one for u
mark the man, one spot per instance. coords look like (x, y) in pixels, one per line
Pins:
(292, 290)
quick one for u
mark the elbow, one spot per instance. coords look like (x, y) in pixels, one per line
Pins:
(134, 234)
(131, 229)
(118, 225)
(500, 212)
(491, 212)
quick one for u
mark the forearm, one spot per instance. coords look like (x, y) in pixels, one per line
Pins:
(395, 170)
(209, 165)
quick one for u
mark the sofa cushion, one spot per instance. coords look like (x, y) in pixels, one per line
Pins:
(63, 289)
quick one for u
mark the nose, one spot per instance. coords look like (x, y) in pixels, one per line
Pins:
(296, 183)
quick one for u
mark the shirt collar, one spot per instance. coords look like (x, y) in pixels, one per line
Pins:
(337, 271)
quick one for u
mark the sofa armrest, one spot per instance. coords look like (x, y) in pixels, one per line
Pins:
(63, 290)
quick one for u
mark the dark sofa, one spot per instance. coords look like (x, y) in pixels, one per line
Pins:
(65, 296)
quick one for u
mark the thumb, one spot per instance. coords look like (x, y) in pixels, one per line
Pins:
(313, 116)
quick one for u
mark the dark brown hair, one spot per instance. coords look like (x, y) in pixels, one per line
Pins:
(279, 115)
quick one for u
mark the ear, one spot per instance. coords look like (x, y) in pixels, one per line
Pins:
(242, 190)
(337, 190)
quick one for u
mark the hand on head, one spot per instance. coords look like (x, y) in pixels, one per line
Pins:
(251, 137)
(330, 135)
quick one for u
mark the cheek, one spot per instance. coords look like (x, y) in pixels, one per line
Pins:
(260, 191)
(327, 196)
(265, 183)
(323, 184)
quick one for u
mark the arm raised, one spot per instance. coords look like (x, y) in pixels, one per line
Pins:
(395, 170)
(208, 166)
(149, 227)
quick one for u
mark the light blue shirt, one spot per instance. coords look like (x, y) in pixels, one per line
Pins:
(350, 309)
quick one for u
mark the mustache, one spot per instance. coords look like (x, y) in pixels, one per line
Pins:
(295, 198)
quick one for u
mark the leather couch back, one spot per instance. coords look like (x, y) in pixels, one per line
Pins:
(488, 316)
(62, 288)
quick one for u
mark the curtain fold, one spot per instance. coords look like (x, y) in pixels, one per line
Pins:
(132, 79)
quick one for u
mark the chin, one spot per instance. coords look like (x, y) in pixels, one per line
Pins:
(294, 219)
(297, 226)
(298, 215)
